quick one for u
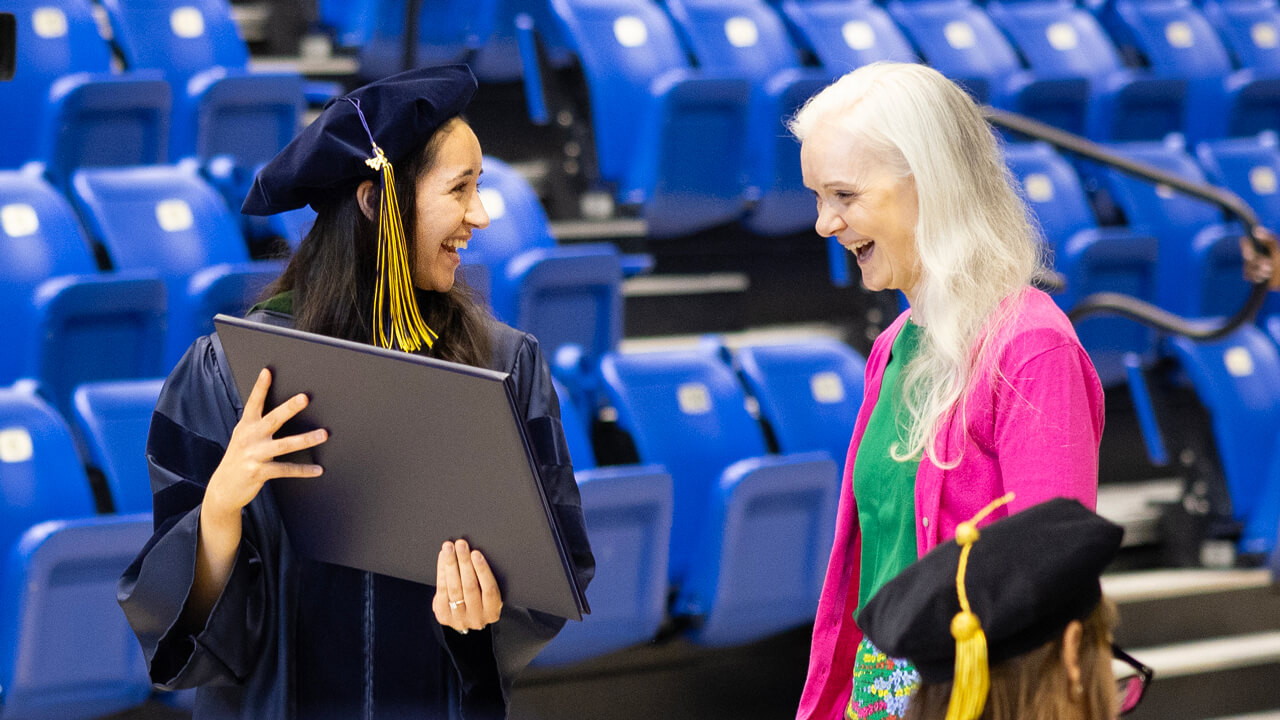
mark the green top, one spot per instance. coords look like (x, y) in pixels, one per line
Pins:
(884, 487)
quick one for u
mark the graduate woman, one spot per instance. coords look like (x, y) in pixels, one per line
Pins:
(217, 598)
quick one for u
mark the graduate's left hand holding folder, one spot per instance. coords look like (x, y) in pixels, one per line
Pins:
(419, 452)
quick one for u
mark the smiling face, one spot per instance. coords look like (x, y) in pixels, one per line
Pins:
(870, 209)
(448, 207)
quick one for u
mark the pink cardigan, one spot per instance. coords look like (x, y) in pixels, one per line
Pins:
(1033, 429)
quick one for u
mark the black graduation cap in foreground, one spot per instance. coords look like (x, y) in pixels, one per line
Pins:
(992, 595)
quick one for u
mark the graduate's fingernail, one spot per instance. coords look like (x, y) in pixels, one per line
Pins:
(447, 547)
(300, 400)
(262, 375)
(462, 546)
(477, 557)
(317, 470)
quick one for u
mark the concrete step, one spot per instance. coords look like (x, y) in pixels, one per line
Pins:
(1209, 678)
(1212, 637)
(1160, 607)
(1135, 506)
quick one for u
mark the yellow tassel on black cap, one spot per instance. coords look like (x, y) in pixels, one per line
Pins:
(393, 293)
(973, 677)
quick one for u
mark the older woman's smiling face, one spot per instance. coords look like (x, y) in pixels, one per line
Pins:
(870, 209)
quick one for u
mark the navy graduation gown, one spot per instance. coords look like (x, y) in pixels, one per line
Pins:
(292, 638)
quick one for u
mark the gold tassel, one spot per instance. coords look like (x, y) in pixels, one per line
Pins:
(394, 290)
(972, 678)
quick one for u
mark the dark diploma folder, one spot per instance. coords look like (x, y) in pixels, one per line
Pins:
(420, 451)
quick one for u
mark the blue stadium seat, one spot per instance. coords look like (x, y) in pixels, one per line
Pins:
(448, 31)
(1178, 41)
(1249, 29)
(809, 392)
(1060, 40)
(628, 514)
(232, 181)
(292, 225)
(845, 35)
(1238, 380)
(66, 323)
(669, 138)
(517, 221)
(564, 295)
(1250, 168)
(167, 219)
(65, 108)
(219, 107)
(113, 418)
(960, 41)
(499, 60)
(746, 38)
(750, 532)
(1091, 258)
(66, 650)
(350, 21)
(1199, 259)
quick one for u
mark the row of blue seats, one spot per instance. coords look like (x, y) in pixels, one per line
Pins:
(66, 650)
(747, 72)
(178, 257)
(185, 90)
(741, 535)
(737, 536)
(1174, 251)
(687, 97)
(719, 534)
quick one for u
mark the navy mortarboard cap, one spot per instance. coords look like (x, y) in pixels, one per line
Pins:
(992, 595)
(356, 137)
(331, 153)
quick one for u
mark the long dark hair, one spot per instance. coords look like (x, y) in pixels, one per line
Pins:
(333, 272)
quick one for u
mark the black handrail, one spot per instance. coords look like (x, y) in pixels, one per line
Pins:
(1124, 305)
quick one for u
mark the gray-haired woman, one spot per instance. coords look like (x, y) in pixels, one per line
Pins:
(980, 388)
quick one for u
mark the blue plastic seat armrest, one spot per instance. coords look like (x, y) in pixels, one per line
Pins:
(319, 92)
(634, 264)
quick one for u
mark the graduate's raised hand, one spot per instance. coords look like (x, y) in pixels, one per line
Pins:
(250, 458)
(249, 462)
(467, 596)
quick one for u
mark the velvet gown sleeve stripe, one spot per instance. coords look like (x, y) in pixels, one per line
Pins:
(189, 432)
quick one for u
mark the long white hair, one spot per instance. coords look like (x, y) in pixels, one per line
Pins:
(973, 241)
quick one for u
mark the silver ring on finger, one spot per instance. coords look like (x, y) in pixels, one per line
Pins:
(455, 604)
